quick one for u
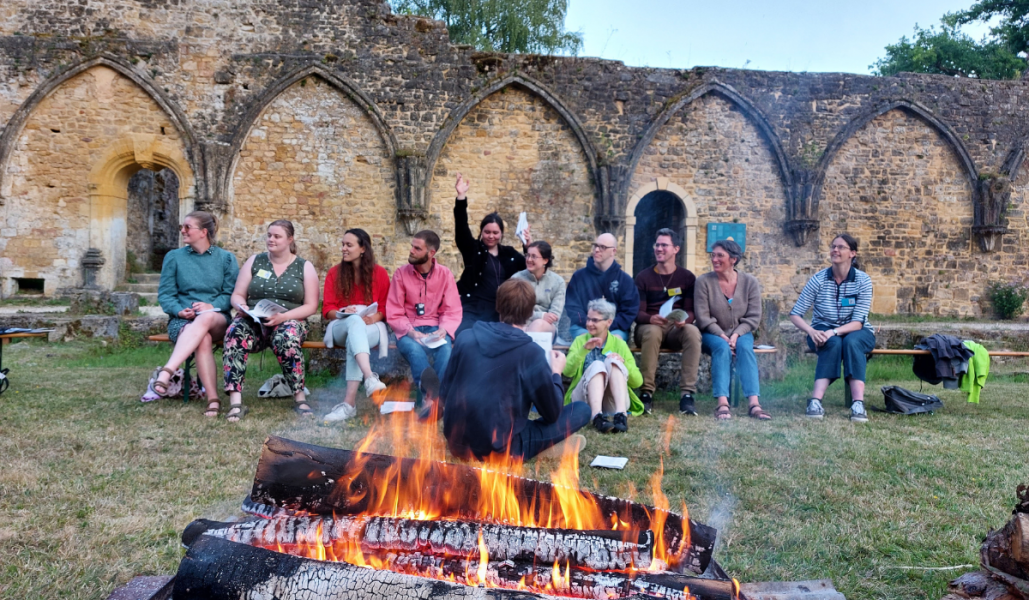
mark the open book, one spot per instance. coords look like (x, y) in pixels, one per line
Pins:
(264, 308)
(675, 316)
(362, 311)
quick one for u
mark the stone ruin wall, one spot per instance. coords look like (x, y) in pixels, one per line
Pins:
(348, 116)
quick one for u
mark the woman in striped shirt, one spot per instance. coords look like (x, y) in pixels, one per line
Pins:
(840, 298)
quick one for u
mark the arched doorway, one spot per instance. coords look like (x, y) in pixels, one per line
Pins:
(654, 205)
(152, 220)
(656, 210)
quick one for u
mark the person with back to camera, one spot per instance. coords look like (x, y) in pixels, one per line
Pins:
(549, 287)
(656, 285)
(603, 371)
(728, 305)
(602, 277)
(840, 298)
(280, 276)
(424, 309)
(496, 374)
(196, 283)
(487, 262)
(355, 283)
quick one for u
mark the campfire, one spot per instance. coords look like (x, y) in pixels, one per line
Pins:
(329, 523)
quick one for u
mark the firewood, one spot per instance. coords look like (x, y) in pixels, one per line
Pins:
(324, 481)
(597, 550)
(218, 569)
(1007, 549)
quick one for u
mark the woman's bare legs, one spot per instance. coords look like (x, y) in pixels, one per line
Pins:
(595, 393)
(198, 337)
(619, 389)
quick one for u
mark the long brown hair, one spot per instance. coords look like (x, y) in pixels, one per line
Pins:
(348, 277)
(288, 226)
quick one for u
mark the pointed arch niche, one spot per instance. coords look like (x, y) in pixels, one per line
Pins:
(689, 225)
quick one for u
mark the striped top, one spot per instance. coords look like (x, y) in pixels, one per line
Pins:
(836, 305)
(286, 289)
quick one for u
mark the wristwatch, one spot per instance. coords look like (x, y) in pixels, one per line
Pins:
(836, 332)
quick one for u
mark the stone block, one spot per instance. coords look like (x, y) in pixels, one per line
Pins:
(125, 303)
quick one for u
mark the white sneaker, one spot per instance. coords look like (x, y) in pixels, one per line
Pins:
(857, 412)
(372, 384)
(341, 412)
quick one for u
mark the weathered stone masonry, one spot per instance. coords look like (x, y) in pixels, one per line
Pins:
(341, 115)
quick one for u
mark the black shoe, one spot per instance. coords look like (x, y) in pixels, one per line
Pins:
(429, 384)
(648, 403)
(686, 406)
(621, 423)
(602, 425)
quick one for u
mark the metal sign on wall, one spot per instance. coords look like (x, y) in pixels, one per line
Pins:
(736, 232)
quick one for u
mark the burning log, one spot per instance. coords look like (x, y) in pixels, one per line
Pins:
(218, 569)
(325, 481)
(597, 550)
(1005, 552)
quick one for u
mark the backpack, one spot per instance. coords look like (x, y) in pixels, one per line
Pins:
(905, 402)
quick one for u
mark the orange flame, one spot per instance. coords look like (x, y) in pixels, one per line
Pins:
(735, 589)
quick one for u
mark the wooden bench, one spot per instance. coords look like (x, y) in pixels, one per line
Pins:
(5, 339)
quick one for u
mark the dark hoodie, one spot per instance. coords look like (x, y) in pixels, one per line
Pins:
(614, 285)
(495, 374)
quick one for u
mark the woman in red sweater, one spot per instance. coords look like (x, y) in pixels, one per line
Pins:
(355, 284)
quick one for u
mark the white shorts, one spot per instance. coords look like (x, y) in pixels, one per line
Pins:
(597, 366)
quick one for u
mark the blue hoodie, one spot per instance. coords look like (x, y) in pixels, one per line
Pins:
(614, 285)
(494, 376)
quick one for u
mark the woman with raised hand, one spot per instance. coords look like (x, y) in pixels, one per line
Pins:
(548, 285)
(196, 282)
(603, 371)
(487, 262)
(282, 277)
(840, 298)
(728, 310)
(354, 284)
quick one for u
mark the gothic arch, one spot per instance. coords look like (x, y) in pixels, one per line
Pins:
(733, 97)
(690, 241)
(455, 118)
(909, 106)
(8, 140)
(340, 83)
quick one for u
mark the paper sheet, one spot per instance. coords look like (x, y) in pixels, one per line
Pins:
(610, 462)
(764, 347)
(434, 342)
(545, 340)
(392, 407)
(666, 308)
(523, 224)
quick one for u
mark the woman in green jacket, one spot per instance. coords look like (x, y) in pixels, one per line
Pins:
(603, 370)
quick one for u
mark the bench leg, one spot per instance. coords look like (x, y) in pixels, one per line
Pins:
(187, 378)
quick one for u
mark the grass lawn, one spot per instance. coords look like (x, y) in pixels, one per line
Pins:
(95, 487)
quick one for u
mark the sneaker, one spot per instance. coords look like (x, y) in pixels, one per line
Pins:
(372, 384)
(341, 412)
(574, 443)
(602, 425)
(621, 422)
(686, 405)
(814, 409)
(857, 412)
(648, 403)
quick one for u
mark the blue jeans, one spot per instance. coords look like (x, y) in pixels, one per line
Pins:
(849, 349)
(418, 355)
(357, 338)
(576, 331)
(538, 436)
(721, 362)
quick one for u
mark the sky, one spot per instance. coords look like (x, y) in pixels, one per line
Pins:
(774, 35)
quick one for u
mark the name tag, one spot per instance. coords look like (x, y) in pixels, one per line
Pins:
(675, 292)
(264, 274)
(848, 302)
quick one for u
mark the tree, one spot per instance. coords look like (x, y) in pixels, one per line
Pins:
(948, 51)
(518, 26)
(1013, 29)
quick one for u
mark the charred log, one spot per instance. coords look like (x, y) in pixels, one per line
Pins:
(217, 569)
(1007, 549)
(318, 480)
(597, 550)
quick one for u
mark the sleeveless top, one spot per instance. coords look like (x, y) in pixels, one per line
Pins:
(286, 289)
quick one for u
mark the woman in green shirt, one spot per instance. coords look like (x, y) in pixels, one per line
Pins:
(196, 282)
(283, 277)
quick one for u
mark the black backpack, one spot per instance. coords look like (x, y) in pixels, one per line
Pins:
(905, 402)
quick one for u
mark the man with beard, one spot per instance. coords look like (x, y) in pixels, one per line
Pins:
(424, 308)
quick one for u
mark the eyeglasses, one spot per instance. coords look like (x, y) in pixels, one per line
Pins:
(592, 320)
(185, 227)
(602, 247)
(839, 247)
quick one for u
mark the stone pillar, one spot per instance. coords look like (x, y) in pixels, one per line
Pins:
(91, 263)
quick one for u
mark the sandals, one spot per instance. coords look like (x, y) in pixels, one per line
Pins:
(237, 412)
(301, 411)
(214, 408)
(723, 413)
(756, 412)
(163, 391)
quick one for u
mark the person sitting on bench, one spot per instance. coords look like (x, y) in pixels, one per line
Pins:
(196, 283)
(496, 374)
(840, 298)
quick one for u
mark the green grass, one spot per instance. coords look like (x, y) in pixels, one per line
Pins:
(95, 487)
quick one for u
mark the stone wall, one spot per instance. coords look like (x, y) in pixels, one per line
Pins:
(344, 115)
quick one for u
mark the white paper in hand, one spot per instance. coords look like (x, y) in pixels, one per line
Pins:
(610, 462)
(666, 308)
(543, 339)
(392, 407)
(369, 310)
(434, 341)
(523, 224)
